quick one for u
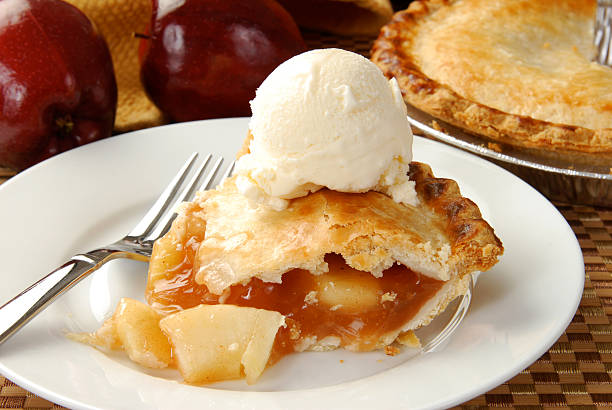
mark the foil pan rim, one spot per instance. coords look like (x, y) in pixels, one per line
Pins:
(457, 137)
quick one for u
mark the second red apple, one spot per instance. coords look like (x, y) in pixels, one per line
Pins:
(205, 58)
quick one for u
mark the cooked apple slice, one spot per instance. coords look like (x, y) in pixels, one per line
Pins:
(105, 337)
(137, 326)
(134, 327)
(221, 342)
(347, 289)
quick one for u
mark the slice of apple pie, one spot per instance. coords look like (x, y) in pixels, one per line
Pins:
(351, 270)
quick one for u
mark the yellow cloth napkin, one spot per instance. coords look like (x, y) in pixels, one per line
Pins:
(118, 20)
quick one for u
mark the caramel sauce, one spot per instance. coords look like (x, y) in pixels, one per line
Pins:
(350, 305)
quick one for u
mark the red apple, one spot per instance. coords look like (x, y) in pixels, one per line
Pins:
(205, 58)
(57, 84)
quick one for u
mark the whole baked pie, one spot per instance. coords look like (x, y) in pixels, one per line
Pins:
(516, 71)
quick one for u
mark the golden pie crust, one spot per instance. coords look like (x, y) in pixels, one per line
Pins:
(443, 237)
(516, 71)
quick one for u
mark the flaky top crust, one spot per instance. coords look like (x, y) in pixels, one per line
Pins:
(517, 71)
(443, 237)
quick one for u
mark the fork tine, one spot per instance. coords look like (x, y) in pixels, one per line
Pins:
(164, 221)
(206, 184)
(229, 171)
(606, 42)
(163, 224)
(147, 222)
(603, 47)
(603, 32)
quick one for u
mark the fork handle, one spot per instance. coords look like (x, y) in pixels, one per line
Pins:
(23, 307)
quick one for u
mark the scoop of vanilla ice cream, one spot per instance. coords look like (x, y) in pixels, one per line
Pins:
(327, 118)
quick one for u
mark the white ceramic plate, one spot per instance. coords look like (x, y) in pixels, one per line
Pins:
(93, 195)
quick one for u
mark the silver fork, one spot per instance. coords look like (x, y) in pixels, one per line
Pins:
(138, 245)
(603, 32)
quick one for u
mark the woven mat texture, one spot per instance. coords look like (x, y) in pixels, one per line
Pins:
(575, 373)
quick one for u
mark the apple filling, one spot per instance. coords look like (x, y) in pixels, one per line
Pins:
(341, 308)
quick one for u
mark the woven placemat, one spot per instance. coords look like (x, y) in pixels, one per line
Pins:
(575, 373)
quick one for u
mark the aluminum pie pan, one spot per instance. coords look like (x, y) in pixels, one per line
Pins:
(557, 179)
